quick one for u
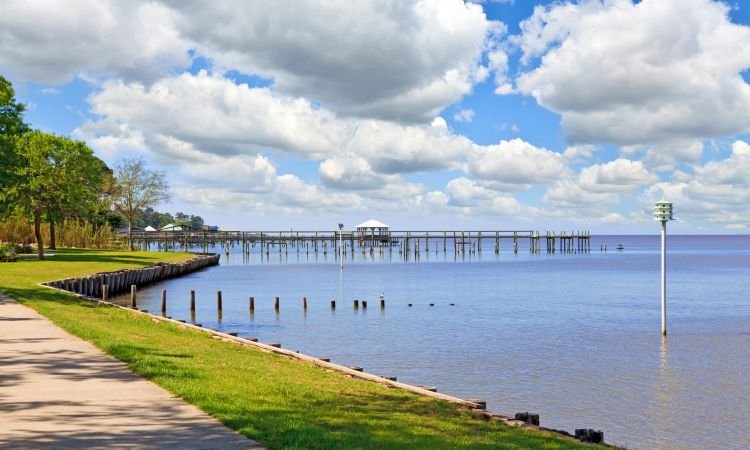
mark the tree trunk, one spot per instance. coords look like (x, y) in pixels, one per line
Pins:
(52, 240)
(130, 234)
(38, 233)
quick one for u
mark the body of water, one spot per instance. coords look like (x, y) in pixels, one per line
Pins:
(573, 337)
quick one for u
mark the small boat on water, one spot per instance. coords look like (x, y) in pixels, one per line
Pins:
(620, 247)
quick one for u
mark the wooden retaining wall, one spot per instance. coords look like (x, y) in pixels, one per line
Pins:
(119, 282)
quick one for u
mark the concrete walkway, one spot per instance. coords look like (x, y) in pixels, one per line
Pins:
(58, 391)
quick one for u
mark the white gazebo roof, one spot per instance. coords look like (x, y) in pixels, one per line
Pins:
(372, 223)
(149, 228)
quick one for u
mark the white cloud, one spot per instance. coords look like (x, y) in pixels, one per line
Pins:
(464, 115)
(470, 198)
(402, 61)
(52, 42)
(216, 115)
(620, 175)
(397, 60)
(515, 165)
(717, 193)
(638, 73)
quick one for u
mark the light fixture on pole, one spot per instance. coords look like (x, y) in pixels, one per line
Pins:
(663, 213)
(341, 247)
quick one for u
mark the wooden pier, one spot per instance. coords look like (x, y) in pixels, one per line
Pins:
(406, 243)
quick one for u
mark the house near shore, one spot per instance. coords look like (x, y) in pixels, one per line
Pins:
(373, 231)
(176, 227)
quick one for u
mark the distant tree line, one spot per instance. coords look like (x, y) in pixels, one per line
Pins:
(52, 181)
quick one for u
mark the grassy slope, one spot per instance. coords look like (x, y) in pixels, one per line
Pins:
(277, 401)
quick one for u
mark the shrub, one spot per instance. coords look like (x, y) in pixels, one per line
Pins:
(8, 251)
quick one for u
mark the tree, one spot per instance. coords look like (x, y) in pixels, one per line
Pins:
(11, 127)
(136, 188)
(55, 175)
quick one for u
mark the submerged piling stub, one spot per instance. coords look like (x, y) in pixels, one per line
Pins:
(590, 436)
(531, 419)
(481, 403)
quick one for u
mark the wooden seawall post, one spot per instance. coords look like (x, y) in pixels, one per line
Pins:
(132, 297)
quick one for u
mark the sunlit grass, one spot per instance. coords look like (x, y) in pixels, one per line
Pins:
(280, 402)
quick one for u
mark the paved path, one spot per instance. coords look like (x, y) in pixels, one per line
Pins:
(58, 391)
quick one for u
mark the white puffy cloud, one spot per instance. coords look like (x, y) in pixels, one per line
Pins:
(179, 117)
(515, 165)
(355, 174)
(404, 60)
(467, 197)
(597, 188)
(717, 193)
(398, 60)
(620, 175)
(52, 42)
(638, 73)
(214, 114)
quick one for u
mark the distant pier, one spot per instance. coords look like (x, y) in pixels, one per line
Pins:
(405, 243)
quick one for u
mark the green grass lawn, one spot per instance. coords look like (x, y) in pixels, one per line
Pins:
(280, 402)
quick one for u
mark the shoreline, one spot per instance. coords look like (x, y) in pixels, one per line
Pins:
(87, 285)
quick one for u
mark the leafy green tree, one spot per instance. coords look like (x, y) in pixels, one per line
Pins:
(57, 174)
(137, 187)
(11, 127)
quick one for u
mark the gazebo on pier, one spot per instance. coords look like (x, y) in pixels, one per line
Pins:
(373, 231)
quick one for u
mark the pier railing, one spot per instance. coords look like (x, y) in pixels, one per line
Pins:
(405, 242)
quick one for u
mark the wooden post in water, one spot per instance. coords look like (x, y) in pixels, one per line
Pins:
(132, 297)
(304, 303)
(163, 300)
(364, 304)
(333, 304)
(276, 305)
(192, 301)
(252, 304)
(218, 301)
(356, 304)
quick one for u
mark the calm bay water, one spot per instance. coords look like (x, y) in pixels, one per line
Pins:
(573, 337)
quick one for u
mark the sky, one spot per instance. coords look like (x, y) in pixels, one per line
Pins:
(429, 114)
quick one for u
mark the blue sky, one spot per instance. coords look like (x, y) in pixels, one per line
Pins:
(425, 115)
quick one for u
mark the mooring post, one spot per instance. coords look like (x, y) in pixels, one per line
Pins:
(192, 301)
(163, 300)
(252, 304)
(218, 301)
(333, 304)
(132, 296)
(276, 305)
(304, 303)
(356, 304)
(364, 304)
